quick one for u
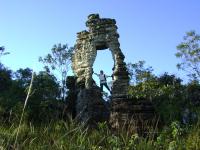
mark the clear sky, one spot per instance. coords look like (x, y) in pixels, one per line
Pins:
(149, 30)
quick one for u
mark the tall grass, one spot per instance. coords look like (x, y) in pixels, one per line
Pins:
(71, 136)
(25, 103)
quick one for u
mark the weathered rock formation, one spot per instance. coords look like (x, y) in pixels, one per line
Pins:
(90, 106)
(102, 34)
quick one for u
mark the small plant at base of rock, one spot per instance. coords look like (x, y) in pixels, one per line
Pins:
(115, 142)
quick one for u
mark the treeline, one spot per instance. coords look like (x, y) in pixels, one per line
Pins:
(172, 100)
(51, 97)
(43, 126)
(44, 103)
(47, 100)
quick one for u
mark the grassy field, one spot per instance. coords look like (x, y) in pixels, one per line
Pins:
(70, 136)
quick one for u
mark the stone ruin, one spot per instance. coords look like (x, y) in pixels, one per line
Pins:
(102, 35)
(90, 106)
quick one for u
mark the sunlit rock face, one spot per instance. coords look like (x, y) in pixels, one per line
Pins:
(102, 34)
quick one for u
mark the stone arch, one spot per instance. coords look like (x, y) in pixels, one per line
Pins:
(102, 35)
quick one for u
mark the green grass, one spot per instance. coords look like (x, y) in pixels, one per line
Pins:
(70, 136)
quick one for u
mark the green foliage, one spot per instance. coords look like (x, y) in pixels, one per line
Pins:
(68, 135)
(189, 53)
(166, 93)
(45, 92)
(45, 86)
(59, 61)
(23, 77)
(139, 73)
(2, 51)
(193, 93)
(144, 90)
(5, 78)
(192, 141)
(171, 137)
(43, 104)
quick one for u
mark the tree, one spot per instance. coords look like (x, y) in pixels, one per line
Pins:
(5, 74)
(20, 83)
(189, 52)
(45, 86)
(5, 78)
(138, 72)
(144, 81)
(165, 92)
(59, 60)
(45, 92)
(23, 77)
(193, 93)
(2, 51)
(167, 79)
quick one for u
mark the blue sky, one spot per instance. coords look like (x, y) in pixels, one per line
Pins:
(149, 30)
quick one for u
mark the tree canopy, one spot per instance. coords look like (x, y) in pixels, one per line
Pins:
(59, 60)
(189, 53)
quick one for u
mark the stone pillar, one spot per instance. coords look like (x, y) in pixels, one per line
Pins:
(121, 78)
(83, 59)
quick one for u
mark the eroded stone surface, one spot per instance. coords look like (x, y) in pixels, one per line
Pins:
(90, 107)
(102, 34)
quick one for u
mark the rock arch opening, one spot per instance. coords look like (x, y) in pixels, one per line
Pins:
(104, 61)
